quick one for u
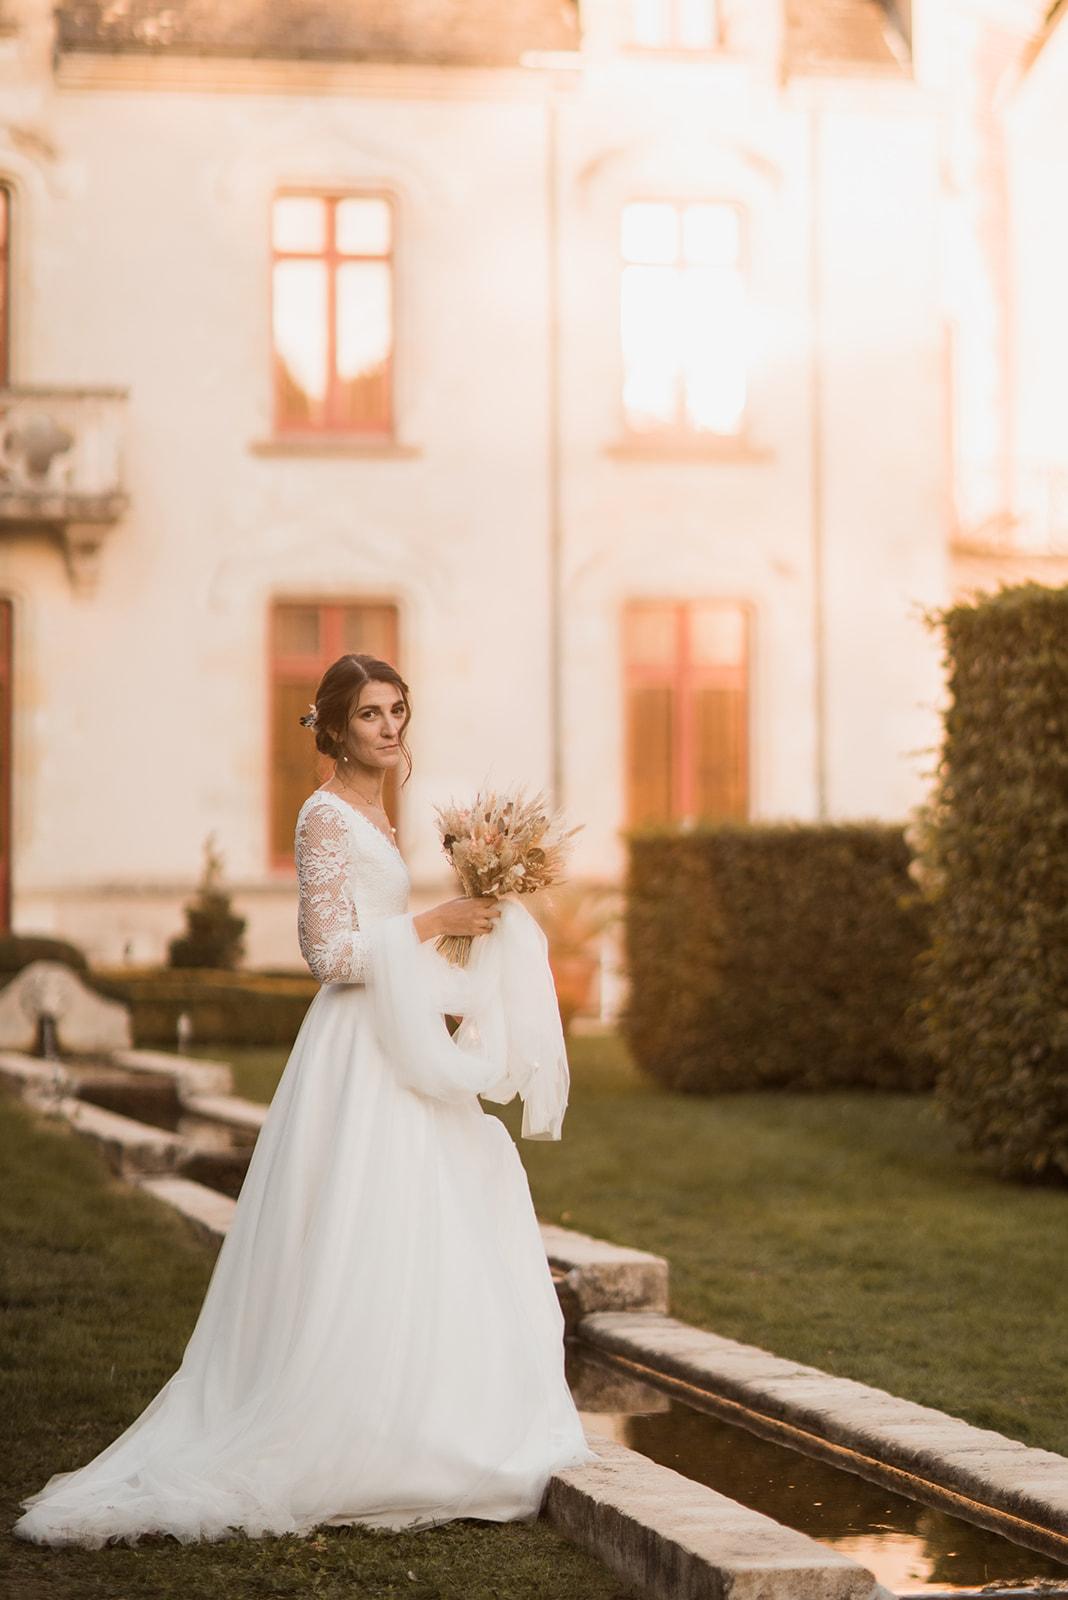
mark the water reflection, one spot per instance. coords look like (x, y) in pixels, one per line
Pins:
(908, 1546)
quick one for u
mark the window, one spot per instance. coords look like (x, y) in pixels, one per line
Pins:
(675, 24)
(305, 637)
(684, 318)
(5, 284)
(7, 674)
(332, 313)
(686, 695)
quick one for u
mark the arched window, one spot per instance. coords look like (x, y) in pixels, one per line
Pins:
(332, 313)
(686, 683)
(305, 637)
(5, 284)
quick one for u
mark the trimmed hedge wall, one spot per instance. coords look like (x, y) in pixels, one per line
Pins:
(17, 950)
(225, 1007)
(996, 979)
(774, 956)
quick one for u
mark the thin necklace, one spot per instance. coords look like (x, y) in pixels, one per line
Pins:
(371, 804)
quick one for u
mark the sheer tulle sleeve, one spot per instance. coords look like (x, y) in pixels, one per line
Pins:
(327, 925)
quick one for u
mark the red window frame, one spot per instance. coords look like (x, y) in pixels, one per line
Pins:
(684, 677)
(306, 668)
(333, 423)
(680, 428)
(7, 686)
(6, 208)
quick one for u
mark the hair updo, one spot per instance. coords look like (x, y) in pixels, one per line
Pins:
(338, 695)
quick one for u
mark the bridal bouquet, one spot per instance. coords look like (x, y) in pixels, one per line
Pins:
(501, 844)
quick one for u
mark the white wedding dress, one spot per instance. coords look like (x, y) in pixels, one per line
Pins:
(380, 1342)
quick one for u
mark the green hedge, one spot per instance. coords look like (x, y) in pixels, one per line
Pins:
(225, 1007)
(996, 979)
(17, 950)
(774, 956)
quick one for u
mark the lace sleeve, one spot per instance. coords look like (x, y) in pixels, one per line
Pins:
(327, 925)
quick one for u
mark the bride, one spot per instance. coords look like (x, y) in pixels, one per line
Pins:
(380, 1342)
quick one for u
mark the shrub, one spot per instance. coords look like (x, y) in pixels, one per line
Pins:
(214, 935)
(17, 950)
(995, 981)
(224, 1007)
(774, 956)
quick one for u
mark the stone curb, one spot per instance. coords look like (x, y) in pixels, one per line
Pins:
(207, 1211)
(229, 1110)
(130, 1147)
(674, 1539)
(31, 1077)
(190, 1075)
(944, 1450)
(606, 1277)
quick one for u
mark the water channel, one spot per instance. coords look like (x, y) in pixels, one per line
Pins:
(911, 1548)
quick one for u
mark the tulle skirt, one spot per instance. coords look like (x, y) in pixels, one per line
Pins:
(380, 1342)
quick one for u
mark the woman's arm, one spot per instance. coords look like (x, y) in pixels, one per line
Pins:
(327, 925)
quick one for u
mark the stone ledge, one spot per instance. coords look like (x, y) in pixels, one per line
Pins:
(670, 1537)
(31, 1077)
(944, 1450)
(227, 1109)
(209, 1212)
(190, 1075)
(130, 1147)
(603, 1276)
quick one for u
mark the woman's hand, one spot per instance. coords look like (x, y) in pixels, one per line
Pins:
(466, 916)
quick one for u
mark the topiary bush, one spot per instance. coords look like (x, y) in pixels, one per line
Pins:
(17, 950)
(774, 956)
(995, 857)
(214, 936)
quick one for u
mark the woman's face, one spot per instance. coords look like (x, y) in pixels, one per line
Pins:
(375, 726)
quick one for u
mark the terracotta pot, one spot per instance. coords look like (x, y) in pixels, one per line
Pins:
(573, 977)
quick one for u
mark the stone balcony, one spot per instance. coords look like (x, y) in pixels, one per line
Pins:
(61, 469)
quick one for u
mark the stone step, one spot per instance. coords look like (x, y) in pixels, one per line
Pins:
(209, 1212)
(670, 1537)
(130, 1147)
(190, 1075)
(603, 1276)
(931, 1445)
(228, 1109)
(31, 1077)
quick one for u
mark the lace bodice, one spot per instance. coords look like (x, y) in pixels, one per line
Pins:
(348, 874)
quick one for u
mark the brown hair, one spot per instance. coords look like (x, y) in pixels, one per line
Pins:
(338, 695)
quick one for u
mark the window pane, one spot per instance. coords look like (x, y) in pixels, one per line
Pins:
(651, 21)
(299, 223)
(5, 279)
(295, 766)
(719, 758)
(697, 23)
(650, 744)
(650, 232)
(296, 630)
(712, 235)
(715, 358)
(650, 636)
(300, 338)
(652, 340)
(717, 635)
(371, 631)
(364, 226)
(364, 339)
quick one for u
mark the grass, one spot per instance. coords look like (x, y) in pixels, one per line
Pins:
(100, 1290)
(844, 1230)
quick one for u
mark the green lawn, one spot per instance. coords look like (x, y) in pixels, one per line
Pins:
(844, 1230)
(100, 1290)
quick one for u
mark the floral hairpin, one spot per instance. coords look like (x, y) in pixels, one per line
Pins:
(309, 720)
